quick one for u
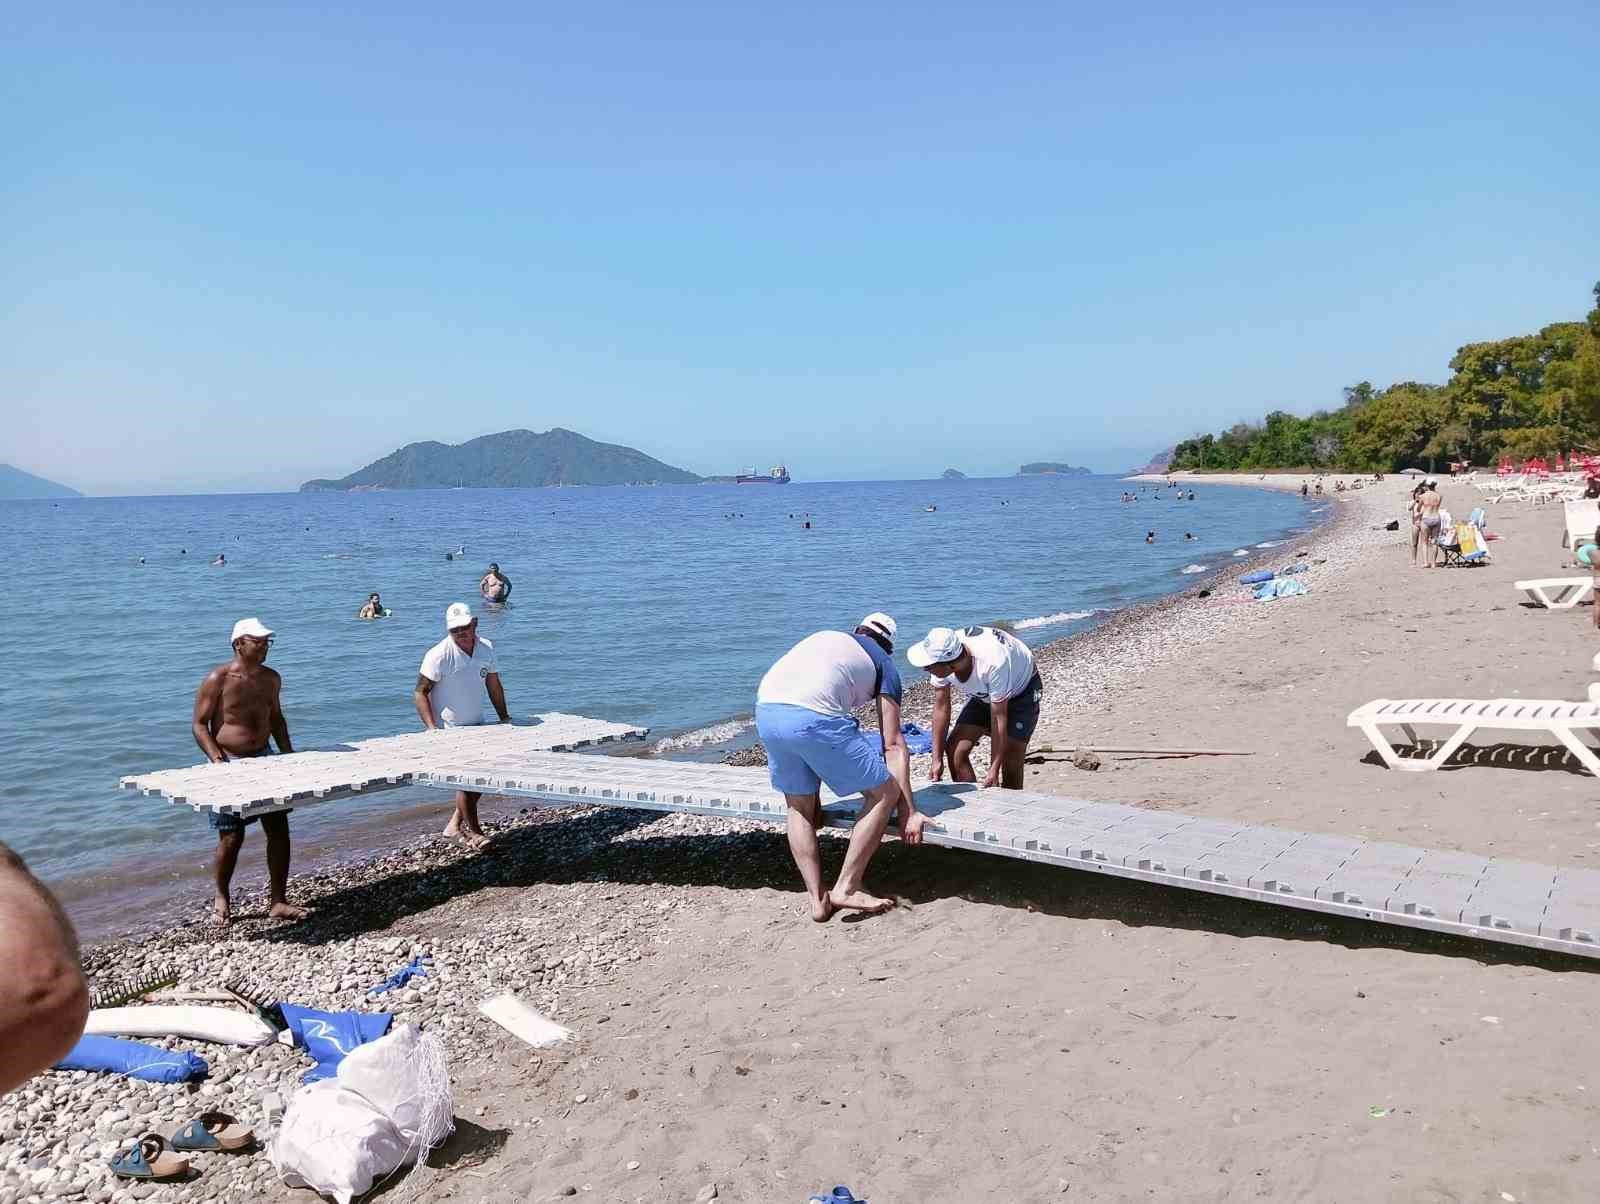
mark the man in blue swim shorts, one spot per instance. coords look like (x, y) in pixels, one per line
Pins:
(805, 715)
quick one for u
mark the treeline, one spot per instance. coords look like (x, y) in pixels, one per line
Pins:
(1532, 395)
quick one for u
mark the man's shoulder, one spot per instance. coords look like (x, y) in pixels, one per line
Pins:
(487, 645)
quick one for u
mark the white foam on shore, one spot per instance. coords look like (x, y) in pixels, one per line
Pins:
(1273, 543)
(1063, 616)
(1242, 552)
(717, 733)
(1194, 568)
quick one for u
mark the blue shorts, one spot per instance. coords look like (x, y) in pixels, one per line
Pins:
(229, 821)
(806, 748)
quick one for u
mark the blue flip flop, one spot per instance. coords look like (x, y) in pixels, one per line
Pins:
(214, 1131)
(839, 1195)
(148, 1158)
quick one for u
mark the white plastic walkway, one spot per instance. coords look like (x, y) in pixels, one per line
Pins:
(1471, 895)
(258, 785)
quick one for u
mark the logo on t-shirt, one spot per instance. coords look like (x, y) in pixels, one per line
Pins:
(483, 672)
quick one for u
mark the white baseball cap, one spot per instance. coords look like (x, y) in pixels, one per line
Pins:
(939, 645)
(457, 614)
(252, 627)
(881, 623)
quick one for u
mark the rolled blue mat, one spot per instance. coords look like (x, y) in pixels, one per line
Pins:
(134, 1059)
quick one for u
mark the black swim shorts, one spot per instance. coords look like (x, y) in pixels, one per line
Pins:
(1022, 712)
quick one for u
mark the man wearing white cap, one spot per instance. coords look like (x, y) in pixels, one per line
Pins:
(236, 712)
(450, 687)
(996, 671)
(805, 715)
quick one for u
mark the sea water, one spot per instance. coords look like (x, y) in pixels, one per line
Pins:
(655, 606)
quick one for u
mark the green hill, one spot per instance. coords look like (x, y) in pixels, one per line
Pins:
(510, 459)
(14, 483)
(1051, 468)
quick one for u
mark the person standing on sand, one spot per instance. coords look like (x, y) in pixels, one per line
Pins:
(237, 710)
(996, 671)
(1428, 503)
(805, 714)
(495, 585)
(449, 693)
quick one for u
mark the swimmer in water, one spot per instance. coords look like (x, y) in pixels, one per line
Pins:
(372, 609)
(220, 562)
(495, 586)
(1149, 537)
(1187, 535)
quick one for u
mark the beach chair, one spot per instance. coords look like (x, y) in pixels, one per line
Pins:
(1563, 720)
(1558, 593)
(1582, 517)
(1462, 545)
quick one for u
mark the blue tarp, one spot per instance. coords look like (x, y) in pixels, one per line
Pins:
(917, 740)
(329, 1036)
(134, 1059)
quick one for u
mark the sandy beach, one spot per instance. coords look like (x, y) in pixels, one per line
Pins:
(1010, 1028)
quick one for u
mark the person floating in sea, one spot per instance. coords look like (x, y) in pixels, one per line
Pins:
(220, 562)
(372, 608)
(996, 671)
(495, 586)
(449, 693)
(1149, 537)
(805, 708)
(1187, 536)
(237, 711)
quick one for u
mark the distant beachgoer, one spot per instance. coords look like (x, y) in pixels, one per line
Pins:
(1428, 503)
(805, 715)
(237, 710)
(372, 608)
(1591, 487)
(1188, 535)
(1589, 554)
(141, 560)
(1149, 537)
(1191, 495)
(495, 586)
(808, 524)
(44, 998)
(1305, 489)
(450, 686)
(996, 671)
(220, 562)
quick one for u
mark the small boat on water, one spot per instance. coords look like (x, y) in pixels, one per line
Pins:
(778, 474)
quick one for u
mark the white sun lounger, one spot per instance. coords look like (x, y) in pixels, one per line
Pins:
(1582, 516)
(1558, 593)
(1563, 720)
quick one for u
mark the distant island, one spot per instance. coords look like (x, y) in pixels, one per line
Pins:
(14, 483)
(510, 459)
(953, 474)
(1049, 468)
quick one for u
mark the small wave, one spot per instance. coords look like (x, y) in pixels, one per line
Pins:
(1242, 552)
(1194, 568)
(1064, 616)
(1273, 543)
(717, 733)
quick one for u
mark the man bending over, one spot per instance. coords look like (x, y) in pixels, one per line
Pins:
(995, 669)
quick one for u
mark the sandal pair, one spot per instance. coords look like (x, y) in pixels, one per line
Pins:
(149, 1157)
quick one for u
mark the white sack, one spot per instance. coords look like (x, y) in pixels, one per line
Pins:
(405, 1077)
(334, 1141)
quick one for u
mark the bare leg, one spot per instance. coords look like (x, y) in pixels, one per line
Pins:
(865, 837)
(805, 812)
(963, 739)
(276, 829)
(228, 846)
(463, 823)
(1015, 765)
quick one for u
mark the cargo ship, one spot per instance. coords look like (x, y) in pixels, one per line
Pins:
(778, 474)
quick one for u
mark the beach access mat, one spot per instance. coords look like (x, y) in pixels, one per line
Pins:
(258, 785)
(1467, 894)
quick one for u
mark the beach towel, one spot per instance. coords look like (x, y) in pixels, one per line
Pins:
(1282, 587)
(134, 1059)
(1467, 539)
(917, 740)
(329, 1036)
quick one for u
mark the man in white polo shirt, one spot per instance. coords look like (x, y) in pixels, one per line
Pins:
(450, 687)
(996, 672)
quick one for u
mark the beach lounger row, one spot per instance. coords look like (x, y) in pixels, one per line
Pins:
(1568, 722)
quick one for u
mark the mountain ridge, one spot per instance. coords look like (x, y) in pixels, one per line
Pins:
(15, 483)
(508, 459)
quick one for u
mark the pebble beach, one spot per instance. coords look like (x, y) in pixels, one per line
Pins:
(1007, 1028)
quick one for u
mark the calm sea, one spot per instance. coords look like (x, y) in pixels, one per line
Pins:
(659, 606)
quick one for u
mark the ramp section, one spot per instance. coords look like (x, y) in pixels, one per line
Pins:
(258, 785)
(1471, 895)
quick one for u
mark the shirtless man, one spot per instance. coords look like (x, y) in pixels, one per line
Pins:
(495, 586)
(1428, 503)
(236, 711)
(373, 608)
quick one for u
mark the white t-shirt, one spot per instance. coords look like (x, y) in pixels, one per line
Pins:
(1002, 666)
(831, 673)
(457, 695)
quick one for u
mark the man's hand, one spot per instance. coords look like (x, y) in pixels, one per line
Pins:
(992, 778)
(911, 827)
(936, 770)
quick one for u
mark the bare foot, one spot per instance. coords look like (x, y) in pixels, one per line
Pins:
(452, 829)
(221, 911)
(859, 900)
(822, 909)
(476, 841)
(287, 911)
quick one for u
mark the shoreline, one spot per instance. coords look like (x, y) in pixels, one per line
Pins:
(102, 901)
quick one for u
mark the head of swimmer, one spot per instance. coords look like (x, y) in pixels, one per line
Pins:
(252, 649)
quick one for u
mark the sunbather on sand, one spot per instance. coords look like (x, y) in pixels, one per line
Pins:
(236, 713)
(805, 714)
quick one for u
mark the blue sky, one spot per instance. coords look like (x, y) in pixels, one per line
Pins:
(241, 247)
